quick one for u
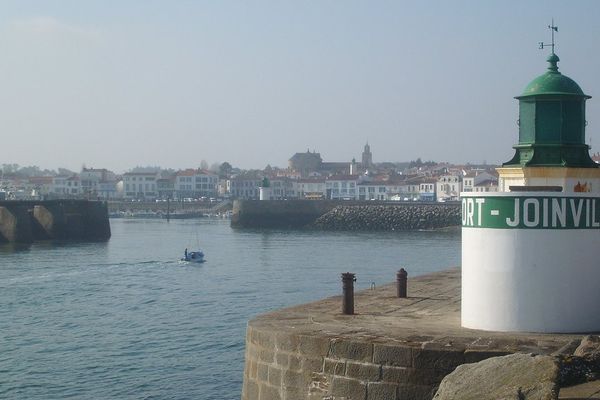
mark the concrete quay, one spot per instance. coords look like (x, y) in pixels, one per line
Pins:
(392, 348)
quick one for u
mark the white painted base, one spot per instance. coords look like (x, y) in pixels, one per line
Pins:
(531, 280)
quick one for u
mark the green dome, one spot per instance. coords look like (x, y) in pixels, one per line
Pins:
(553, 82)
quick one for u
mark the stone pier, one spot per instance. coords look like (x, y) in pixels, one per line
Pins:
(30, 221)
(391, 349)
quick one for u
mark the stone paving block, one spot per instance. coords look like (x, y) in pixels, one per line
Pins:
(260, 338)
(287, 342)
(437, 359)
(295, 362)
(266, 355)
(282, 359)
(400, 356)
(382, 391)
(312, 364)
(360, 351)
(412, 376)
(268, 392)
(251, 370)
(348, 388)
(262, 372)
(394, 374)
(334, 367)
(415, 392)
(250, 391)
(315, 346)
(295, 379)
(363, 371)
(274, 376)
(293, 393)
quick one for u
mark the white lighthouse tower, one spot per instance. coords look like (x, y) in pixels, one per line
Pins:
(530, 252)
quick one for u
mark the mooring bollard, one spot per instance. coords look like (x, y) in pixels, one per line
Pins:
(348, 279)
(401, 279)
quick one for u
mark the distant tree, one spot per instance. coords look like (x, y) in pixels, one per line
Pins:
(203, 164)
(225, 170)
(29, 171)
(10, 168)
(147, 169)
(214, 167)
(65, 172)
(419, 163)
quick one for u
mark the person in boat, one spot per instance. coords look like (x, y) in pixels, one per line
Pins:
(185, 254)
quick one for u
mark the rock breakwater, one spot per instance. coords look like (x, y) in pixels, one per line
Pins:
(390, 217)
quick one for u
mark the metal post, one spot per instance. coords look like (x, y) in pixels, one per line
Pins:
(348, 279)
(401, 279)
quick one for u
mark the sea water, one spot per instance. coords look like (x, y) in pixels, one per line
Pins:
(126, 319)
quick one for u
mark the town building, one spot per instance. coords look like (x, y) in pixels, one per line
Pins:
(448, 188)
(98, 183)
(305, 163)
(245, 186)
(312, 188)
(140, 185)
(341, 187)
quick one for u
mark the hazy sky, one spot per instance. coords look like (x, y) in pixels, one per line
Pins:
(117, 84)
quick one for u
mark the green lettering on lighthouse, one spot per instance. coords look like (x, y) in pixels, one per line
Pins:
(540, 212)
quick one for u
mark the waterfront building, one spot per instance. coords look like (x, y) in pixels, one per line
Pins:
(486, 185)
(543, 226)
(312, 188)
(427, 189)
(245, 186)
(283, 188)
(192, 183)
(372, 190)
(448, 187)
(98, 182)
(165, 187)
(342, 187)
(140, 185)
(39, 186)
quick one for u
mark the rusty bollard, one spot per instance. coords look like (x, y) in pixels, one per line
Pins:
(348, 279)
(401, 279)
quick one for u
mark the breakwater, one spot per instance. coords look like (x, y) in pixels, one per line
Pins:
(30, 221)
(391, 348)
(344, 215)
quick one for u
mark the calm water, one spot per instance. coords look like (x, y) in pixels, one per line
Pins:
(125, 320)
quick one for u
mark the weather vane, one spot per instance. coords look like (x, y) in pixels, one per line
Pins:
(553, 29)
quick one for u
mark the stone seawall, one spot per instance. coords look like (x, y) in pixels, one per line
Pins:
(278, 213)
(344, 215)
(390, 217)
(30, 221)
(391, 349)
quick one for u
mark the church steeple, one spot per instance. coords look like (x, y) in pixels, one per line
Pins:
(367, 157)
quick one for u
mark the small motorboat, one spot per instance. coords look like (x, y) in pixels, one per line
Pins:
(193, 256)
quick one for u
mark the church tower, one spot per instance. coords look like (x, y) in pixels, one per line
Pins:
(367, 157)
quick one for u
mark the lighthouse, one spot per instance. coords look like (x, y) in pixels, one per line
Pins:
(530, 252)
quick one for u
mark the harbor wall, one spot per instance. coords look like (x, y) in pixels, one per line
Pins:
(282, 365)
(344, 215)
(30, 221)
(390, 349)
